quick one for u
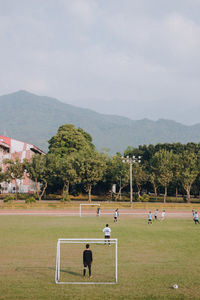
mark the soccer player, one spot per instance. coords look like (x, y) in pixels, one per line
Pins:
(196, 217)
(156, 214)
(150, 218)
(163, 215)
(98, 211)
(116, 215)
(193, 212)
(87, 260)
(107, 232)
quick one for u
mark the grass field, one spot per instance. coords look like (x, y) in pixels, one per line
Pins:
(151, 258)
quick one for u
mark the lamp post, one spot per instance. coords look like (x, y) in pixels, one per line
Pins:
(131, 161)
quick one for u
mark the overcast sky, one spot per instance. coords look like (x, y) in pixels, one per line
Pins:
(137, 58)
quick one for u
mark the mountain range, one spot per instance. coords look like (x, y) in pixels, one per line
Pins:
(35, 119)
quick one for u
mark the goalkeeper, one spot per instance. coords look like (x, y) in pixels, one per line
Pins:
(87, 260)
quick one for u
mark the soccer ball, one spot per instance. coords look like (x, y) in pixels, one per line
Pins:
(175, 286)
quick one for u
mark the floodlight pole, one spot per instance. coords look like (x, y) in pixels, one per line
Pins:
(131, 161)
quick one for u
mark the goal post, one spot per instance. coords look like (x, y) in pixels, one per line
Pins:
(60, 268)
(88, 204)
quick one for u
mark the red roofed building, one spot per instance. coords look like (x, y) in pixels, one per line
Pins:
(11, 148)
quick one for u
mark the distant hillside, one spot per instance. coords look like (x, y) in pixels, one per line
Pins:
(35, 119)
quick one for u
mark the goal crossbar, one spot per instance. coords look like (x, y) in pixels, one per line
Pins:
(86, 204)
(83, 241)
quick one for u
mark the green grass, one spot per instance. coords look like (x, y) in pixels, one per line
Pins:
(151, 258)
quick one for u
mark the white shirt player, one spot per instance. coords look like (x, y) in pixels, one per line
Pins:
(107, 231)
(116, 214)
(163, 215)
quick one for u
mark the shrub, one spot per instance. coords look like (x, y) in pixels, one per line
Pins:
(9, 198)
(144, 198)
(30, 200)
(65, 197)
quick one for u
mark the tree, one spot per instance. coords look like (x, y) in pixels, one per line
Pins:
(91, 169)
(117, 172)
(162, 166)
(14, 171)
(189, 170)
(154, 181)
(139, 175)
(2, 176)
(69, 140)
(37, 170)
(64, 170)
(64, 149)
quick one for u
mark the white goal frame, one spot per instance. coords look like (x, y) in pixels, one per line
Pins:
(84, 241)
(81, 204)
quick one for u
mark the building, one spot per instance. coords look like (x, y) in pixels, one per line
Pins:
(11, 148)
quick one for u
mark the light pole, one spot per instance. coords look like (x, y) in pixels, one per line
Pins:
(131, 161)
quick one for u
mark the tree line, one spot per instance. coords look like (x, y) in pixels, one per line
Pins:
(73, 165)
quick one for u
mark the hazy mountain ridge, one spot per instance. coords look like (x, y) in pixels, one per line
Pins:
(35, 119)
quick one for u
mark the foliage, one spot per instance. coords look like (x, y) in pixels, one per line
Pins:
(65, 197)
(30, 200)
(69, 140)
(117, 172)
(9, 198)
(189, 169)
(162, 165)
(37, 170)
(14, 171)
(92, 167)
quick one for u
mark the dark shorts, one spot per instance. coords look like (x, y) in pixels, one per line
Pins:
(155, 217)
(87, 264)
(107, 237)
(115, 218)
(150, 220)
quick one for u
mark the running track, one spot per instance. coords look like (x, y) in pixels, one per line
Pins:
(106, 212)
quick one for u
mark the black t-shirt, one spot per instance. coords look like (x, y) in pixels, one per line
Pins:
(87, 256)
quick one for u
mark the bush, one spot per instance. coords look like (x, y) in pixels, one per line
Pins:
(9, 198)
(30, 200)
(144, 198)
(65, 197)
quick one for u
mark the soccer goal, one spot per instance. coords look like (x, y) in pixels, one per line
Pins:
(91, 204)
(69, 261)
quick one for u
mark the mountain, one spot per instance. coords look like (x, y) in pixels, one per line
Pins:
(35, 119)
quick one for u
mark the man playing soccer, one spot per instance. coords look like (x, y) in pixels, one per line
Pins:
(150, 218)
(116, 214)
(163, 215)
(107, 232)
(156, 215)
(98, 211)
(196, 217)
(87, 260)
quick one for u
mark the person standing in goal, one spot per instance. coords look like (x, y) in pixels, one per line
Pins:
(87, 260)
(107, 232)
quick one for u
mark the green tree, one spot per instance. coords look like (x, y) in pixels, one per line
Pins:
(162, 166)
(37, 171)
(64, 149)
(140, 176)
(153, 178)
(117, 172)
(189, 169)
(69, 140)
(92, 167)
(14, 172)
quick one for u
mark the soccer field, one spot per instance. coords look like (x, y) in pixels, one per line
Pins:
(151, 258)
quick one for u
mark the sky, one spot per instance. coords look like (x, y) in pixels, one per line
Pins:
(139, 59)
